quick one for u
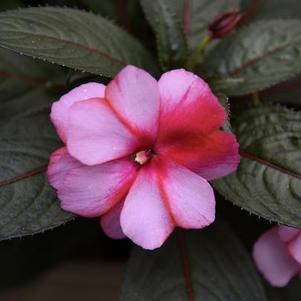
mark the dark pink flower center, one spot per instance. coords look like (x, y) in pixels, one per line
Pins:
(143, 156)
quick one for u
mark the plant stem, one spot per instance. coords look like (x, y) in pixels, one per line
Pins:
(198, 53)
(185, 263)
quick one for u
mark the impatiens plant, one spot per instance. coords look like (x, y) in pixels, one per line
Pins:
(150, 118)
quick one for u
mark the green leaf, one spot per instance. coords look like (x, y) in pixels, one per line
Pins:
(268, 179)
(166, 18)
(72, 38)
(28, 204)
(261, 55)
(200, 15)
(210, 263)
(272, 9)
(222, 86)
(25, 83)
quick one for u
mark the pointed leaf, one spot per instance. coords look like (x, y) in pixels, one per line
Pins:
(272, 9)
(72, 38)
(166, 18)
(28, 204)
(268, 180)
(261, 55)
(25, 82)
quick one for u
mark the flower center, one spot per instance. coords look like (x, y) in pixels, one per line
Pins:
(143, 157)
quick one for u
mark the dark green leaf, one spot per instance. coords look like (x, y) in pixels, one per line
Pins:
(25, 83)
(268, 179)
(224, 85)
(260, 55)
(211, 262)
(201, 13)
(72, 38)
(28, 204)
(166, 18)
(271, 9)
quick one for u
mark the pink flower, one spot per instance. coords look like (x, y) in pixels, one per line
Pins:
(277, 254)
(139, 153)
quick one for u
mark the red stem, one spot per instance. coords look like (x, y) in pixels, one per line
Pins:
(122, 14)
(28, 174)
(269, 164)
(185, 263)
(250, 12)
(187, 18)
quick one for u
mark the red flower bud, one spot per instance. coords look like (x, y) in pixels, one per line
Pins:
(224, 23)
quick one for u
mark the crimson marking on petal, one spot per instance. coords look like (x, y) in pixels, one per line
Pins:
(293, 238)
(26, 175)
(134, 131)
(121, 194)
(160, 173)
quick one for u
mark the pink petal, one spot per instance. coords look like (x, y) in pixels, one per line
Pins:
(60, 109)
(188, 105)
(91, 191)
(190, 198)
(295, 249)
(60, 164)
(273, 259)
(288, 233)
(211, 156)
(95, 135)
(144, 217)
(110, 222)
(134, 96)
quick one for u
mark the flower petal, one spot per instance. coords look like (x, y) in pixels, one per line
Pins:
(273, 259)
(60, 164)
(190, 198)
(144, 217)
(188, 105)
(295, 249)
(110, 222)
(134, 96)
(287, 234)
(60, 109)
(95, 135)
(212, 156)
(93, 190)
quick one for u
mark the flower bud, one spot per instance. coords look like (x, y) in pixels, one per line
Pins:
(224, 24)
